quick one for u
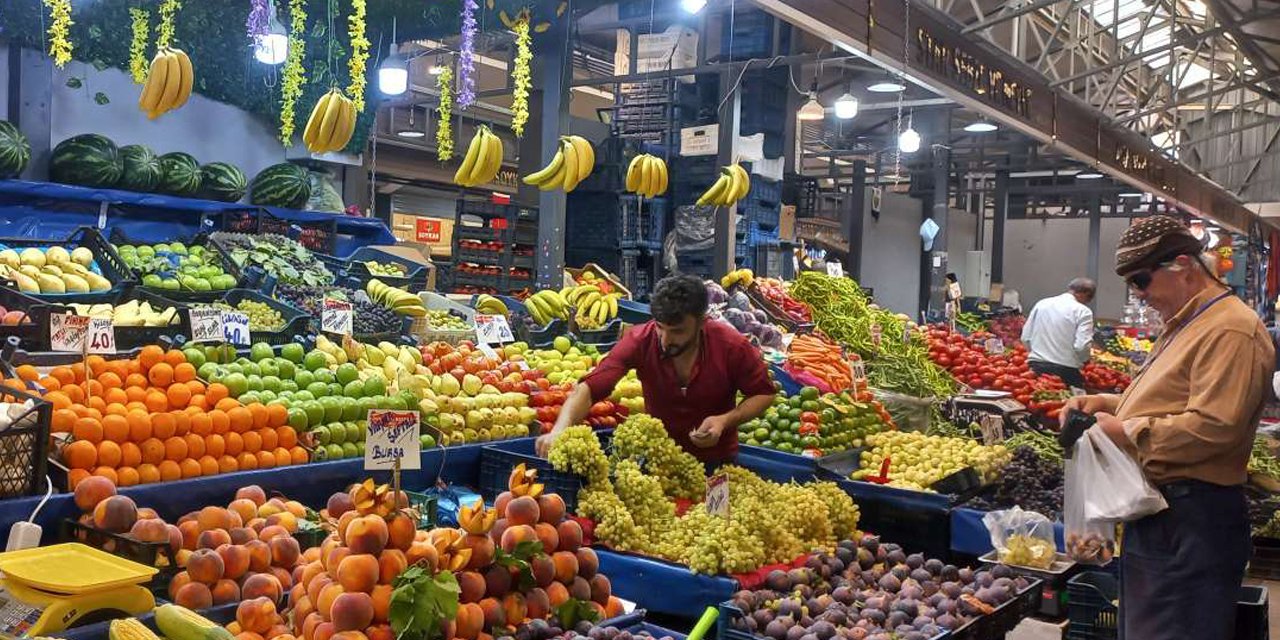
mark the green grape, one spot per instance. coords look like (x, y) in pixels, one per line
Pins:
(577, 450)
(643, 437)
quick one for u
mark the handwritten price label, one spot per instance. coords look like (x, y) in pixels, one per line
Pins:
(835, 269)
(67, 331)
(206, 324)
(493, 329)
(101, 336)
(335, 317)
(235, 327)
(994, 346)
(718, 495)
(876, 334)
(392, 435)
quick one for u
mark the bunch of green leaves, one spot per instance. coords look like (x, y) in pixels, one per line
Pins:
(574, 611)
(288, 261)
(518, 560)
(1262, 460)
(421, 602)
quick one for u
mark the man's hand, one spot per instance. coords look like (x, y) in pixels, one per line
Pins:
(1088, 404)
(544, 442)
(1114, 428)
(708, 433)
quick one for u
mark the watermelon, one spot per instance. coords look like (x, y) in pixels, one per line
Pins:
(88, 160)
(222, 181)
(141, 168)
(324, 197)
(15, 151)
(179, 174)
(281, 185)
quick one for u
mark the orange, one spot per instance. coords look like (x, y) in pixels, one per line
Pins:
(162, 425)
(208, 466)
(201, 424)
(157, 401)
(181, 423)
(179, 395)
(80, 455)
(61, 399)
(252, 441)
(227, 464)
(282, 456)
(215, 445)
(89, 412)
(277, 415)
(199, 401)
(109, 454)
(74, 477)
(97, 364)
(227, 404)
(116, 395)
(63, 375)
(247, 461)
(77, 370)
(190, 468)
(149, 356)
(220, 422)
(298, 454)
(116, 409)
(196, 387)
(139, 425)
(259, 413)
(128, 476)
(137, 406)
(169, 470)
(174, 357)
(115, 427)
(28, 373)
(63, 420)
(96, 402)
(287, 437)
(152, 450)
(241, 419)
(108, 473)
(95, 388)
(195, 445)
(148, 473)
(175, 448)
(270, 439)
(136, 393)
(184, 372)
(130, 454)
(109, 380)
(118, 367)
(75, 394)
(235, 443)
(50, 383)
(88, 429)
(266, 460)
(161, 375)
(216, 392)
(193, 411)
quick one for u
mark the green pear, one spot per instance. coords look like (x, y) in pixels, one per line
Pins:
(50, 284)
(57, 255)
(82, 256)
(75, 284)
(51, 269)
(33, 257)
(10, 258)
(97, 282)
(26, 283)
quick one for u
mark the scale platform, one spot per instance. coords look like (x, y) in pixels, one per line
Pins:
(49, 589)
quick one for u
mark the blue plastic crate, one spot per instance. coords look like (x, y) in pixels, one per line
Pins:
(764, 191)
(643, 221)
(497, 460)
(750, 35)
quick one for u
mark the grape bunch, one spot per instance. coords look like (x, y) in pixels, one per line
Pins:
(367, 317)
(917, 461)
(578, 451)
(1029, 481)
(261, 316)
(643, 437)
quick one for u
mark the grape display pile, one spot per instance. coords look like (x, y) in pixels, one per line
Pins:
(1029, 481)
(367, 317)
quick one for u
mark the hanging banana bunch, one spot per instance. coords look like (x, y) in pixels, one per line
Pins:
(484, 159)
(647, 176)
(732, 186)
(332, 123)
(573, 162)
(168, 84)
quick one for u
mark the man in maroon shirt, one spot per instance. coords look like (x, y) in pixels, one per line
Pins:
(691, 369)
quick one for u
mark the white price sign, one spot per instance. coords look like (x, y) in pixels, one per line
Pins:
(336, 317)
(235, 327)
(718, 495)
(876, 334)
(392, 436)
(859, 370)
(994, 346)
(206, 324)
(493, 329)
(67, 331)
(101, 336)
(835, 269)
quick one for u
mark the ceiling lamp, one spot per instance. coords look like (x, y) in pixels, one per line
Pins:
(393, 73)
(846, 106)
(981, 126)
(1089, 174)
(888, 85)
(692, 6)
(812, 110)
(409, 131)
(909, 140)
(271, 47)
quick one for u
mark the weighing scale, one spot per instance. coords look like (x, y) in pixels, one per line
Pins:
(49, 589)
(973, 407)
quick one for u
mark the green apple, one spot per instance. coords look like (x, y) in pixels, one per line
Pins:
(426, 441)
(249, 398)
(195, 356)
(268, 368)
(315, 360)
(337, 433)
(315, 411)
(236, 383)
(350, 450)
(353, 389)
(303, 395)
(261, 351)
(351, 409)
(335, 452)
(354, 433)
(293, 352)
(298, 419)
(325, 376)
(271, 383)
(303, 378)
(318, 389)
(346, 373)
(322, 434)
(285, 369)
(332, 408)
(375, 385)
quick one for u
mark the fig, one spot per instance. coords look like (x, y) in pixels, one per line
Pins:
(896, 557)
(896, 619)
(799, 576)
(777, 580)
(845, 554)
(1001, 571)
(874, 616)
(890, 582)
(921, 575)
(915, 560)
(946, 621)
(823, 630)
(934, 566)
(901, 571)
(843, 594)
(776, 630)
(965, 575)
(794, 633)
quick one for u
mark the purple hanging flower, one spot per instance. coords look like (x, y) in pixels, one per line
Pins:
(256, 24)
(466, 56)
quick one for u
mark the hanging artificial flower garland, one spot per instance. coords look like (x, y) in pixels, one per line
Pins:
(164, 34)
(256, 24)
(359, 53)
(59, 31)
(444, 132)
(467, 55)
(520, 77)
(138, 63)
(294, 75)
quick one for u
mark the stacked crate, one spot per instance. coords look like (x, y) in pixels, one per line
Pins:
(493, 247)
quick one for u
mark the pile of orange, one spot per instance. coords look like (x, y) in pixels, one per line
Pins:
(148, 419)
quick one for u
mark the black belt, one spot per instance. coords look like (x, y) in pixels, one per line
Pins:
(1184, 488)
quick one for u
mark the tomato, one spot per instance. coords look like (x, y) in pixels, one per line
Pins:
(809, 416)
(943, 361)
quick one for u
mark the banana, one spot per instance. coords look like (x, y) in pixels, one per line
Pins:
(330, 121)
(715, 194)
(602, 311)
(172, 82)
(153, 89)
(462, 176)
(490, 158)
(662, 176)
(311, 134)
(544, 176)
(744, 181)
(613, 304)
(346, 124)
(539, 316)
(188, 77)
(554, 301)
(655, 177)
(495, 158)
(571, 165)
(646, 177)
(633, 172)
(585, 301)
(586, 158)
(580, 291)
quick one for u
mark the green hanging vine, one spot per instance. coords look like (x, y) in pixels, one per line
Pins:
(521, 77)
(168, 11)
(59, 31)
(294, 74)
(138, 44)
(444, 132)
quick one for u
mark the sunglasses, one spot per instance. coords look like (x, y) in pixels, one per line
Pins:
(1139, 281)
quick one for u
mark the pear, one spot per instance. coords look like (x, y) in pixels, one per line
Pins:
(56, 255)
(75, 284)
(72, 267)
(51, 269)
(82, 256)
(33, 257)
(50, 284)
(10, 258)
(30, 271)
(166, 317)
(97, 282)
(26, 283)
(388, 348)
(375, 356)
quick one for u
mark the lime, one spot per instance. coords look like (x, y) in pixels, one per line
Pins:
(426, 441)
(351, 409)
(347, 373)
(261, 351)
(350, 450)
(332, 408)
(354, 432)
(367, 404)
(318, 389)
(298, 419)
(363, 425)
(293, 353)
(236, 383)
(335, 452)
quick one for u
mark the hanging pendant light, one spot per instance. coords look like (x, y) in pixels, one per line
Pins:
(812, 110)
(393, 73)
(271, 47)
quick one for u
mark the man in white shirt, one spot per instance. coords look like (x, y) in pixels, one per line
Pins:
(1059, 331)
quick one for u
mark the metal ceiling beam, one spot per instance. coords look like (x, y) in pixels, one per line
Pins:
(1219, 134)
(1238, 83)
(1006, 15)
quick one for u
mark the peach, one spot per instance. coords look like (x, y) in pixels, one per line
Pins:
(367, 535)
(256, 524)
(214, 518)
(243, 507)
(335, 557)
(311, 554)
(310, 622)
(570, 535)
(538, 604)
(548, 535)
(523, 510)
(566, 566)
(421, 552)
(327, 595)
(498, 581)
(271, 507)
(298, 509)
(93, 490)
(588, 563)
(380, 632)
(302, 608)
(295, 592)
(557, 594)
(551, 507)
(253, 493)
(390, 564)
(248, 635)
(206, 566)
(352, 611)
(241, 535)
(595, 606)
(513, 605)
(262, 585)
(516, 534)
(471, 586)
(190, 516)
(150, 531)
(175, 538)
(283, 576)
(601, 588)
(543, 569)
(212, 538)
(614, 608)
(284, 519)
(309, 572)
(448, 629)
(183, 556)
(358, 572)
(316, 586)
(500, 503)
(498, 530)
(256, 615)
(494, 615)
(272, 531)
(339, 503)
(381, 597)
(194, 596)
(190, 534)
(482, 550)
(277, 631)
(115, 514)
(580, 589)
(469, 621)
(259, 555)
(235, 561)
(324, 631)
(400, 531)
(349, 635)
(284, 551)
(179, 579)
(147, 513)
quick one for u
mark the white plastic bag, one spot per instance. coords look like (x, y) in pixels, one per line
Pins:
(1103, 486)
(1022, 538)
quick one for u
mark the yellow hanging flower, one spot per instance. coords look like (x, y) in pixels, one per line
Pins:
(359, 54)
(444, 132)
(59, 31)
(293, 75)
(168, 10)
(520, 77)
(138, 64)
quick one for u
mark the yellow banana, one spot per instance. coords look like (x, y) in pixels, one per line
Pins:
(188, 77)
(744, 181)
(590, 152)
(633, 173)
(586, 158)
(352, 114)
(547, 172)
(662, 176)
(153, 90)
(172, 82)
(346, 123)
(715, 194)
(490, 158)
(462, 176)
(311, 135)
(571, 162)
(655, 176)
(330, 121)
(613, 305)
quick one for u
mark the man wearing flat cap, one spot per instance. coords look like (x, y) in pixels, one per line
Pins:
(1189, 419)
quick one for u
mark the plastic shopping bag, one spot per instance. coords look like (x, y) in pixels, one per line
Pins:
(1103, 486)
(1022, 538)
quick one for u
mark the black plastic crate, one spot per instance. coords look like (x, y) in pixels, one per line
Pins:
(296, 322)
(415, 278)
(212, 252)
(639, 272)
(1251, 614)
(105, 257)
(1265, 562)
(129, 338)
(150, 554)
(643, 221)
(319, 236)
(750, 35)
(497, 461)
(594, 220)
(25, 449)
(996, 624)
(1092, 612)
(32, 335)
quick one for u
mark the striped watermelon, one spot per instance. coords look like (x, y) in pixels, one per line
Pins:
(222, 181)
(281, 185)
(88, 160)
(15, 151)
(179, 174)
(141, 168)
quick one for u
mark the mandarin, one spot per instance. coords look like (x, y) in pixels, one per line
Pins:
(80, 454)
(148, 473)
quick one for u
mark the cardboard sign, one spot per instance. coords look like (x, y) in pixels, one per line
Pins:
(718, 495)
(392, 436)
(493, 329)
(992, 427)
(235, 327)
(876, 334)
(994, 346)
(859, 370)
(67, 331)
(427, 230)
(335, 317)
(100, 336)
(835, 269)
(206, 324)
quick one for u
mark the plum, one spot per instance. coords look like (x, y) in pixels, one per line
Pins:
(776, 630)
(915, 560)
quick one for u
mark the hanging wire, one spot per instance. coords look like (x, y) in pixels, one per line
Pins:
(897, 122)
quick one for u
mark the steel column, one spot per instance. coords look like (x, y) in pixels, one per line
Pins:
(853, 214)
(1000, 215)
(933, 263)
(1095, 235)
(551, 96)
(722, 260)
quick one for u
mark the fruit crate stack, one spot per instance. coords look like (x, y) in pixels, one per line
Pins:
(493, 247)
(640, 271)
(655, 111)
(757, 225)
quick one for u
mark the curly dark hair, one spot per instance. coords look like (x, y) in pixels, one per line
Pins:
(678, 296)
